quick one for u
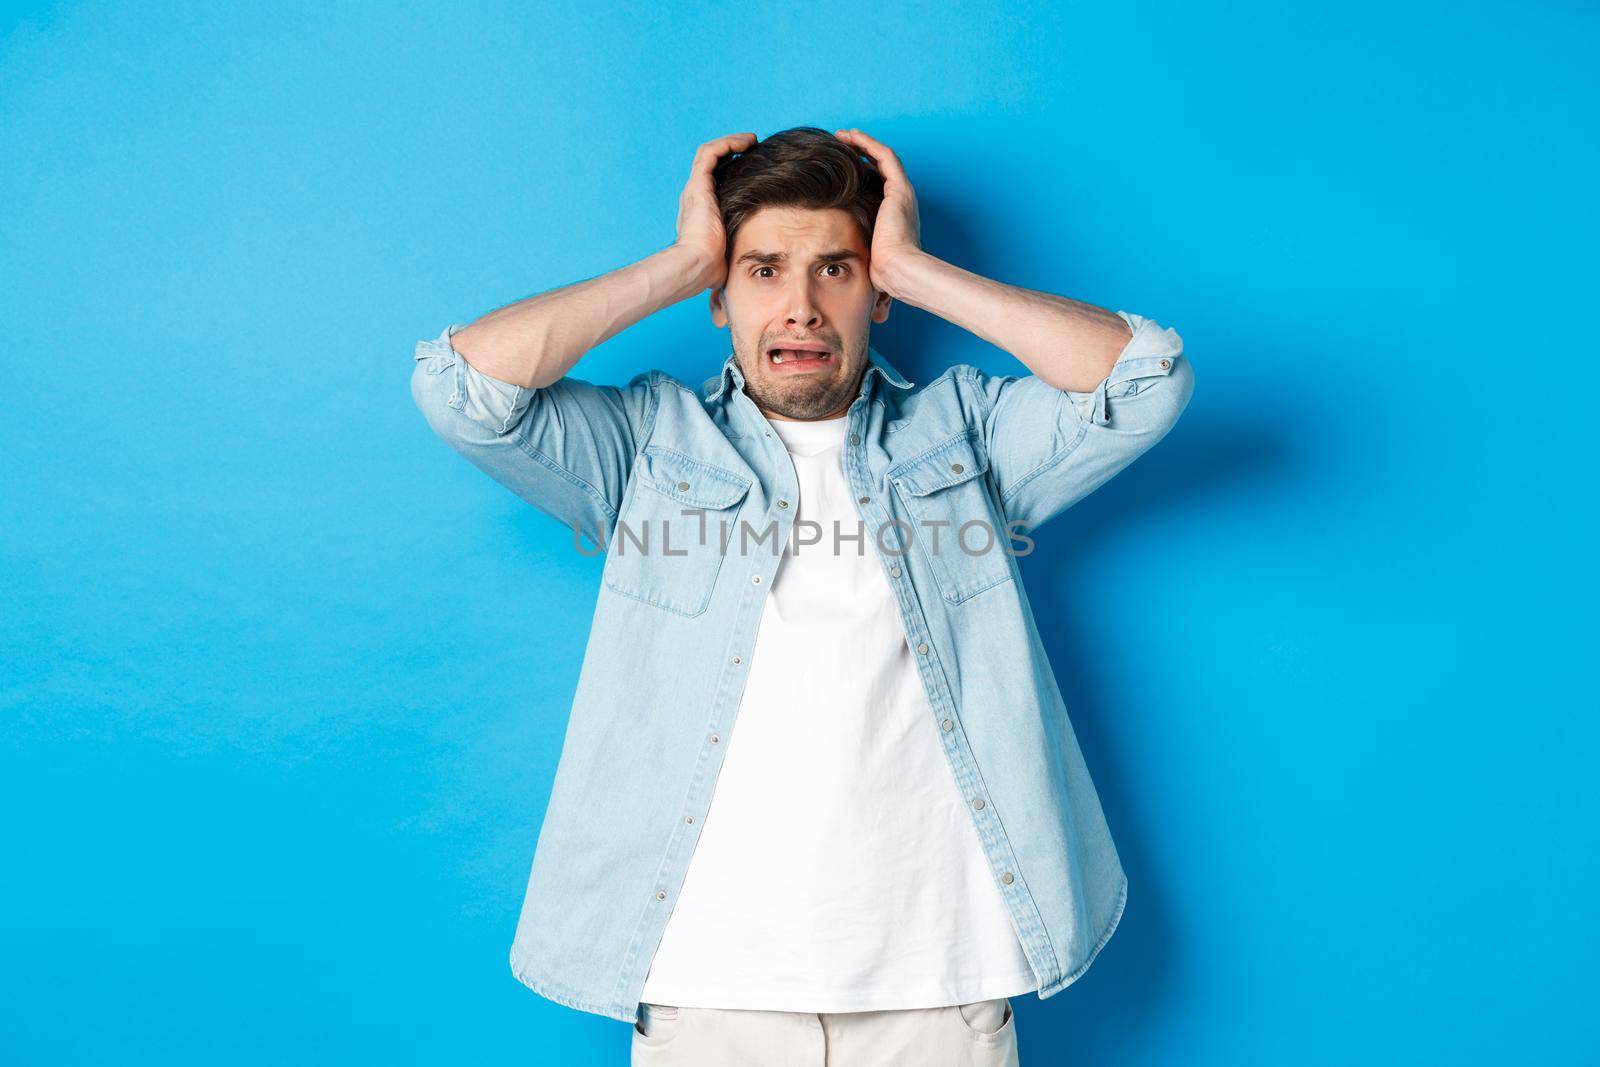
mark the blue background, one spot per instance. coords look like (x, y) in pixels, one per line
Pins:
(284, 680)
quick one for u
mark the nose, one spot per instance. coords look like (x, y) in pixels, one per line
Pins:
(802, 307)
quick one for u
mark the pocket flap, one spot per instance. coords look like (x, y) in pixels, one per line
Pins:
(942, 466)
(697, 484)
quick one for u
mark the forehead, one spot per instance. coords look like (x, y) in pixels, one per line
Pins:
(798, 230)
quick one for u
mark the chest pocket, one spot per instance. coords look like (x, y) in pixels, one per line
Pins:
(949, 501)
(667, 547)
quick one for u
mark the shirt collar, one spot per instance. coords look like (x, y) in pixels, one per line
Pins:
(717, 386)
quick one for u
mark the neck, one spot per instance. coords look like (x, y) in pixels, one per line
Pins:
(837, 413)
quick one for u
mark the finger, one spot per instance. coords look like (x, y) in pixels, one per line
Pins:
(706, 157)
(882, 154)
(888, 163)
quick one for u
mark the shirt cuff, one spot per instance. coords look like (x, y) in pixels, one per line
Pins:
(486, 400)
(1151, 352)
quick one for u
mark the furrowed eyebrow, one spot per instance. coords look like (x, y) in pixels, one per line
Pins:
(773, 258)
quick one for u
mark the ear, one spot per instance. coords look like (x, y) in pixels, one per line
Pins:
(880, 306)
(719, 310)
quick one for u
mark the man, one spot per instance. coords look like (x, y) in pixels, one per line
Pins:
(899, 834)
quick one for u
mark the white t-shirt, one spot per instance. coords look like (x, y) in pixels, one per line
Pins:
(837, 868)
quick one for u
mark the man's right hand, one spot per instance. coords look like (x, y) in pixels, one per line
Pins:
(700, 227)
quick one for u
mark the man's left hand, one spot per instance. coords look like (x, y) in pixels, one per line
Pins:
(896, 233)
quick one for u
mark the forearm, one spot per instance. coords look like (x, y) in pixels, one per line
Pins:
(535, 342)
(1066, 343)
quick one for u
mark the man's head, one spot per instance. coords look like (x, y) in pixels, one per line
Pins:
(798, 209)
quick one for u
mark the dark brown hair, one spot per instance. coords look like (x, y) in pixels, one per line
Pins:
(802, 167)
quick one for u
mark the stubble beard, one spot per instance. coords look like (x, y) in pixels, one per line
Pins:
(800, 396)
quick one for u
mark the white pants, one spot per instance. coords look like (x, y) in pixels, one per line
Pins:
(980, 1034)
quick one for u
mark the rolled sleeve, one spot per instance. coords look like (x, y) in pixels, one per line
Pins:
(567, 448)
(1049, 447)
(490, 401)
(1151, 353)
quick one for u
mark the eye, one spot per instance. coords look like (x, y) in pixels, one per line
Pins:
(840, 266)
(758, 270)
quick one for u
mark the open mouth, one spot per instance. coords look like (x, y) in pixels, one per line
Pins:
(798, 358)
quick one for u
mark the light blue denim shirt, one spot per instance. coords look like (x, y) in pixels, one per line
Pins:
(948, 478)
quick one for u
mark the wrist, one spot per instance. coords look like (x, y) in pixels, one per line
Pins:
(897, 272)
(694, 266)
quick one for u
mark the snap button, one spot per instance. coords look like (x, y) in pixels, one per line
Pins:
(956, 468)
(922, 649)
(783, 503)
(1006, 878)
(894, 572)
(948, 725)
(660, 895)
(756, 578)
(683, 486)
(855, 439)
(738, 659)
(864, 500)
(1166, 363)
(714, 739)
(688, 818)
(978, 804)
